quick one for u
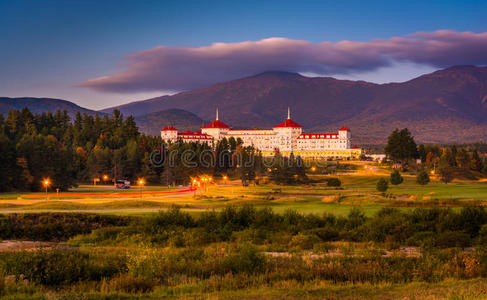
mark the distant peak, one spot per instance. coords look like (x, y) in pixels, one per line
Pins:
(462, 67)
(278, 73)
(455, 71)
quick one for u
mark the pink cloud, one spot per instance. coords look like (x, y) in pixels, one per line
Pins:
(172, 68)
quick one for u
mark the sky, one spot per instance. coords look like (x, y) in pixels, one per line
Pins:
(100, 54)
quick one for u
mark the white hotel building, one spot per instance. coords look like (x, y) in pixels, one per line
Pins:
(285, 137)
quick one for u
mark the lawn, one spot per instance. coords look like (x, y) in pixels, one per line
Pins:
(358, 189)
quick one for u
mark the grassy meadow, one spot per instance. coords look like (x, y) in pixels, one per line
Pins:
(358, 189)
(263, 241)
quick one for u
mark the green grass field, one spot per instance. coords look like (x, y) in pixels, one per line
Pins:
(358, 189)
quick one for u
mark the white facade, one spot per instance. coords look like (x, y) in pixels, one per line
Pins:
(285, 137)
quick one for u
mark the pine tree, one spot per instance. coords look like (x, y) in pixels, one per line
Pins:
(445, 169)
(382, 185)
(422, 177)
(396, 177)
(401, 147)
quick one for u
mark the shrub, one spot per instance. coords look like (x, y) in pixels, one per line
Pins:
(472, 218)
(382, 185)
(334, 182)
(483, 235)
(303, 241)
(52, 268)
(327, 234)
(55, 226)
(98, 236)
(60, 266)
(391, 227)
(170, 218)
(423, 178)
(356, 217)
(453, 239)
(245, 259)
(396, 177)
(424, 239)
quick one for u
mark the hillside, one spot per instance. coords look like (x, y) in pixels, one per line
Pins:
(449, 105)
(182, 120)
(445, 106)
(39, 105)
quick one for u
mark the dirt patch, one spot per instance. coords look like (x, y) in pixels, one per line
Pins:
(25, 245)
(403, 251)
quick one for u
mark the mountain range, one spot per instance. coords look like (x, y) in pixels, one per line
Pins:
(445, 106)
(39, 105)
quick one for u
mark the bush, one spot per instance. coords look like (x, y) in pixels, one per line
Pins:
(472, 219)
(60, 266)
(356, 217)
(98, 236)
(327, 234)
(424, 239)
(483, 235)
(423, 178)
(173, 217)
(396, 178)
(303, 241)
(385, 226)
(245, 259)
(382, 185)
(450, 239)
(334, 182)
(55, 226)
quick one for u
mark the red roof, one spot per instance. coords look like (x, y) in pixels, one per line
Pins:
(217, 124)
(168, 128)
(344, 128)
(289, 123)
(194, 135)
(318, 135)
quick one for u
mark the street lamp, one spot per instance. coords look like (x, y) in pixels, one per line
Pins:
(46, 182)
(313, 168)
(105, 178)
(141, 182)
(205, 180)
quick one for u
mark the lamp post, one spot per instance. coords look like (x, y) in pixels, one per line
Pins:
(193, 186)
(141, 184)
(105, 179)
(46, 182)
(225, 179)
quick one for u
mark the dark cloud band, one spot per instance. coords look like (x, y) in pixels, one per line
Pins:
(176, 69)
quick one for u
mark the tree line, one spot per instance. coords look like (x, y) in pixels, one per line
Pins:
(37, 146)
(47, 145)
(448, 162)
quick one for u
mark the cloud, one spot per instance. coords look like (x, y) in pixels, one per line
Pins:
(175, 69)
